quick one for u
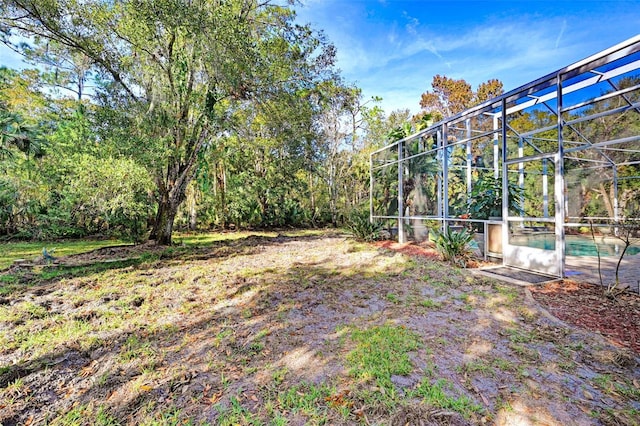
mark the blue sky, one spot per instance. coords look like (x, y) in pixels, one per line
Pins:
(393, 48)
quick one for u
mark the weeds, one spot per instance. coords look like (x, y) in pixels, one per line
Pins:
(236, 414)
(625, 388)
(479, 366)
(86, 414)
(134, 348)
(381, 352)
(393, 298)
(306, 399)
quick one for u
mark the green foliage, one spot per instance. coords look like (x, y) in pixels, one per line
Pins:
(454, 245)
(16, 133)
(486, 198)
(178, 78)
(8, 200)
(109, 196)
(361, 226)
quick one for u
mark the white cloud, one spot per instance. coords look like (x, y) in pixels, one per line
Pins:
(396, 55)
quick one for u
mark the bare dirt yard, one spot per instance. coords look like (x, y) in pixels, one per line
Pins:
(301, 328)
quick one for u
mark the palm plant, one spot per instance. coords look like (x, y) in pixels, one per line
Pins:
(15, 132)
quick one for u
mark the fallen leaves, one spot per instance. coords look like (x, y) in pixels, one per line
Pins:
(587, 306)
(216, 397)
(340, 399)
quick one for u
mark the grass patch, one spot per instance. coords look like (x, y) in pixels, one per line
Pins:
(521, 336)
(86, 414)
(626, 388)
(524, 352)
(70, 334)
(169, 416)
(430, 304)
(479, 366)
(509, 295)
(199, 239)
(382, 352)
(134, 348)
(10, 283)
(236, 414)
(307, 399)
(436, 395)
(393, 298)
(32, 250)
(22, 312)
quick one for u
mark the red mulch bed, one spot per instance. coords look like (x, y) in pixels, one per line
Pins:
(580, 304)
(587, 306)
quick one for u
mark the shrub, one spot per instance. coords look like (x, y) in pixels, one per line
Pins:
(362, 228)
(486, 198)
(454, 245)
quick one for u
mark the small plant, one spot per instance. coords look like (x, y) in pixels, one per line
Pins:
(393, 298)
(362, 227)
(454, 245)
(626, 231)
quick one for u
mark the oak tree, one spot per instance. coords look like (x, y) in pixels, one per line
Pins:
(176, 69)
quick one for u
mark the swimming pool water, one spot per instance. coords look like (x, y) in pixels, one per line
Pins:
(580, 246)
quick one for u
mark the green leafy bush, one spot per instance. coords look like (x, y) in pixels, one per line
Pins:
(109, 196)
(362, 228)
(454, 245)
(486, 198)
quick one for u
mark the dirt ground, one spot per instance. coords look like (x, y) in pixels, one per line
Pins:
(581, 304)
(250, 331)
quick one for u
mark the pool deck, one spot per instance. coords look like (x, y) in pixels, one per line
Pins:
(585, 268)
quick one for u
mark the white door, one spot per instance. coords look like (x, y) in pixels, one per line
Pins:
(530, 238)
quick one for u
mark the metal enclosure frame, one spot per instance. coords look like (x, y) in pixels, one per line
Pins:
(567, 107)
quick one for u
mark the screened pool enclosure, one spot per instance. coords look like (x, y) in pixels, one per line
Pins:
(530, 172)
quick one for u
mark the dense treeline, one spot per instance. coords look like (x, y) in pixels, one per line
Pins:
(144, 115)
(132, 121)
(70, 168)
(137, 117)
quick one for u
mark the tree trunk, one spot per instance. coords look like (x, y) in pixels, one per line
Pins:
(607, 198)
(170, 198)
(193, 217)
(312, 200)
(163, 227)
(221, 187)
